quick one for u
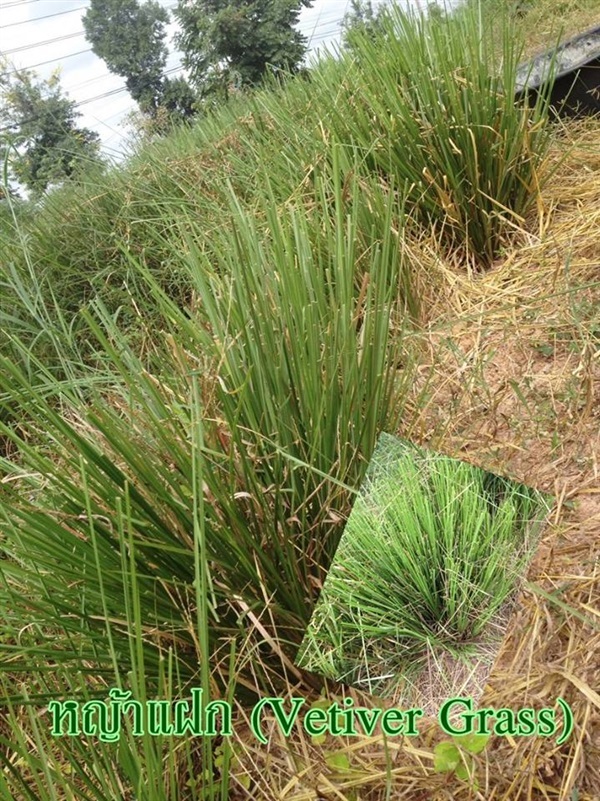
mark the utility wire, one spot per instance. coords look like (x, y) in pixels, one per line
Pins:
(49, 61)
(322, 34)
(46, 16)
(102, 77)
(89, 50)
(56, 14)
(110, 93)
(40, 44)
(19, 3)
(81, 8)
(113, 92)
(121, 89)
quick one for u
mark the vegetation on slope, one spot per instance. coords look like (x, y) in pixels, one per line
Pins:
(262, 297)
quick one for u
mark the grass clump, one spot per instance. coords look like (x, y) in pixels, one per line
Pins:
(438, 113)
(428, 562)
(290, 362)
(153, 505)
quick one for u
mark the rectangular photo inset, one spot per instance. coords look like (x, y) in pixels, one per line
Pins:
(425, 578)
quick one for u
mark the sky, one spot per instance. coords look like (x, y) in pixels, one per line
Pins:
(48, 34)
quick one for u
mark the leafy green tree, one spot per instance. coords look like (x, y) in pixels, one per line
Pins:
(178, 102)
(178, 99)
(362, 18)
(40, 137)
(227, 43)
(130, 37)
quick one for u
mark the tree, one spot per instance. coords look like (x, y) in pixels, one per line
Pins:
(178, 103)
(362, 18)
(225, 42)
(41, 136)
(130, 37)
(178, 99)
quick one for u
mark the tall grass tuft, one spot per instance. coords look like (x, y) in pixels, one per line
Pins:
(429, 560)
(50, 650)
(429, 103)
(153, 503)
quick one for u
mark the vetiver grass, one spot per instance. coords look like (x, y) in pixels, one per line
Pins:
(143, 422)
(437, 112)
(279, 378)
(62, 653)
(431, 555)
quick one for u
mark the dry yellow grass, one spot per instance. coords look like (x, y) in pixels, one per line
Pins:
(513, 361)
(543, 20)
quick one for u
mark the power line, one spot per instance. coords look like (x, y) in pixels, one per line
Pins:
(324, 35)
(40, 44)
(112, 116)
(324, 20)
(102, 77)
(89, 50)
(113, 92)
(49, 61)
(55, 14)
(19, 3)
(106, 75)
(46, 16)
(110, 93)
(317, 27)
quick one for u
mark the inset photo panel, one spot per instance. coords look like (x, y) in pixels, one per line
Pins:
(425, 578)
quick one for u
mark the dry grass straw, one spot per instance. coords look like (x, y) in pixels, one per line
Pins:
(516, 390)
(543, 20)
(548, 653)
